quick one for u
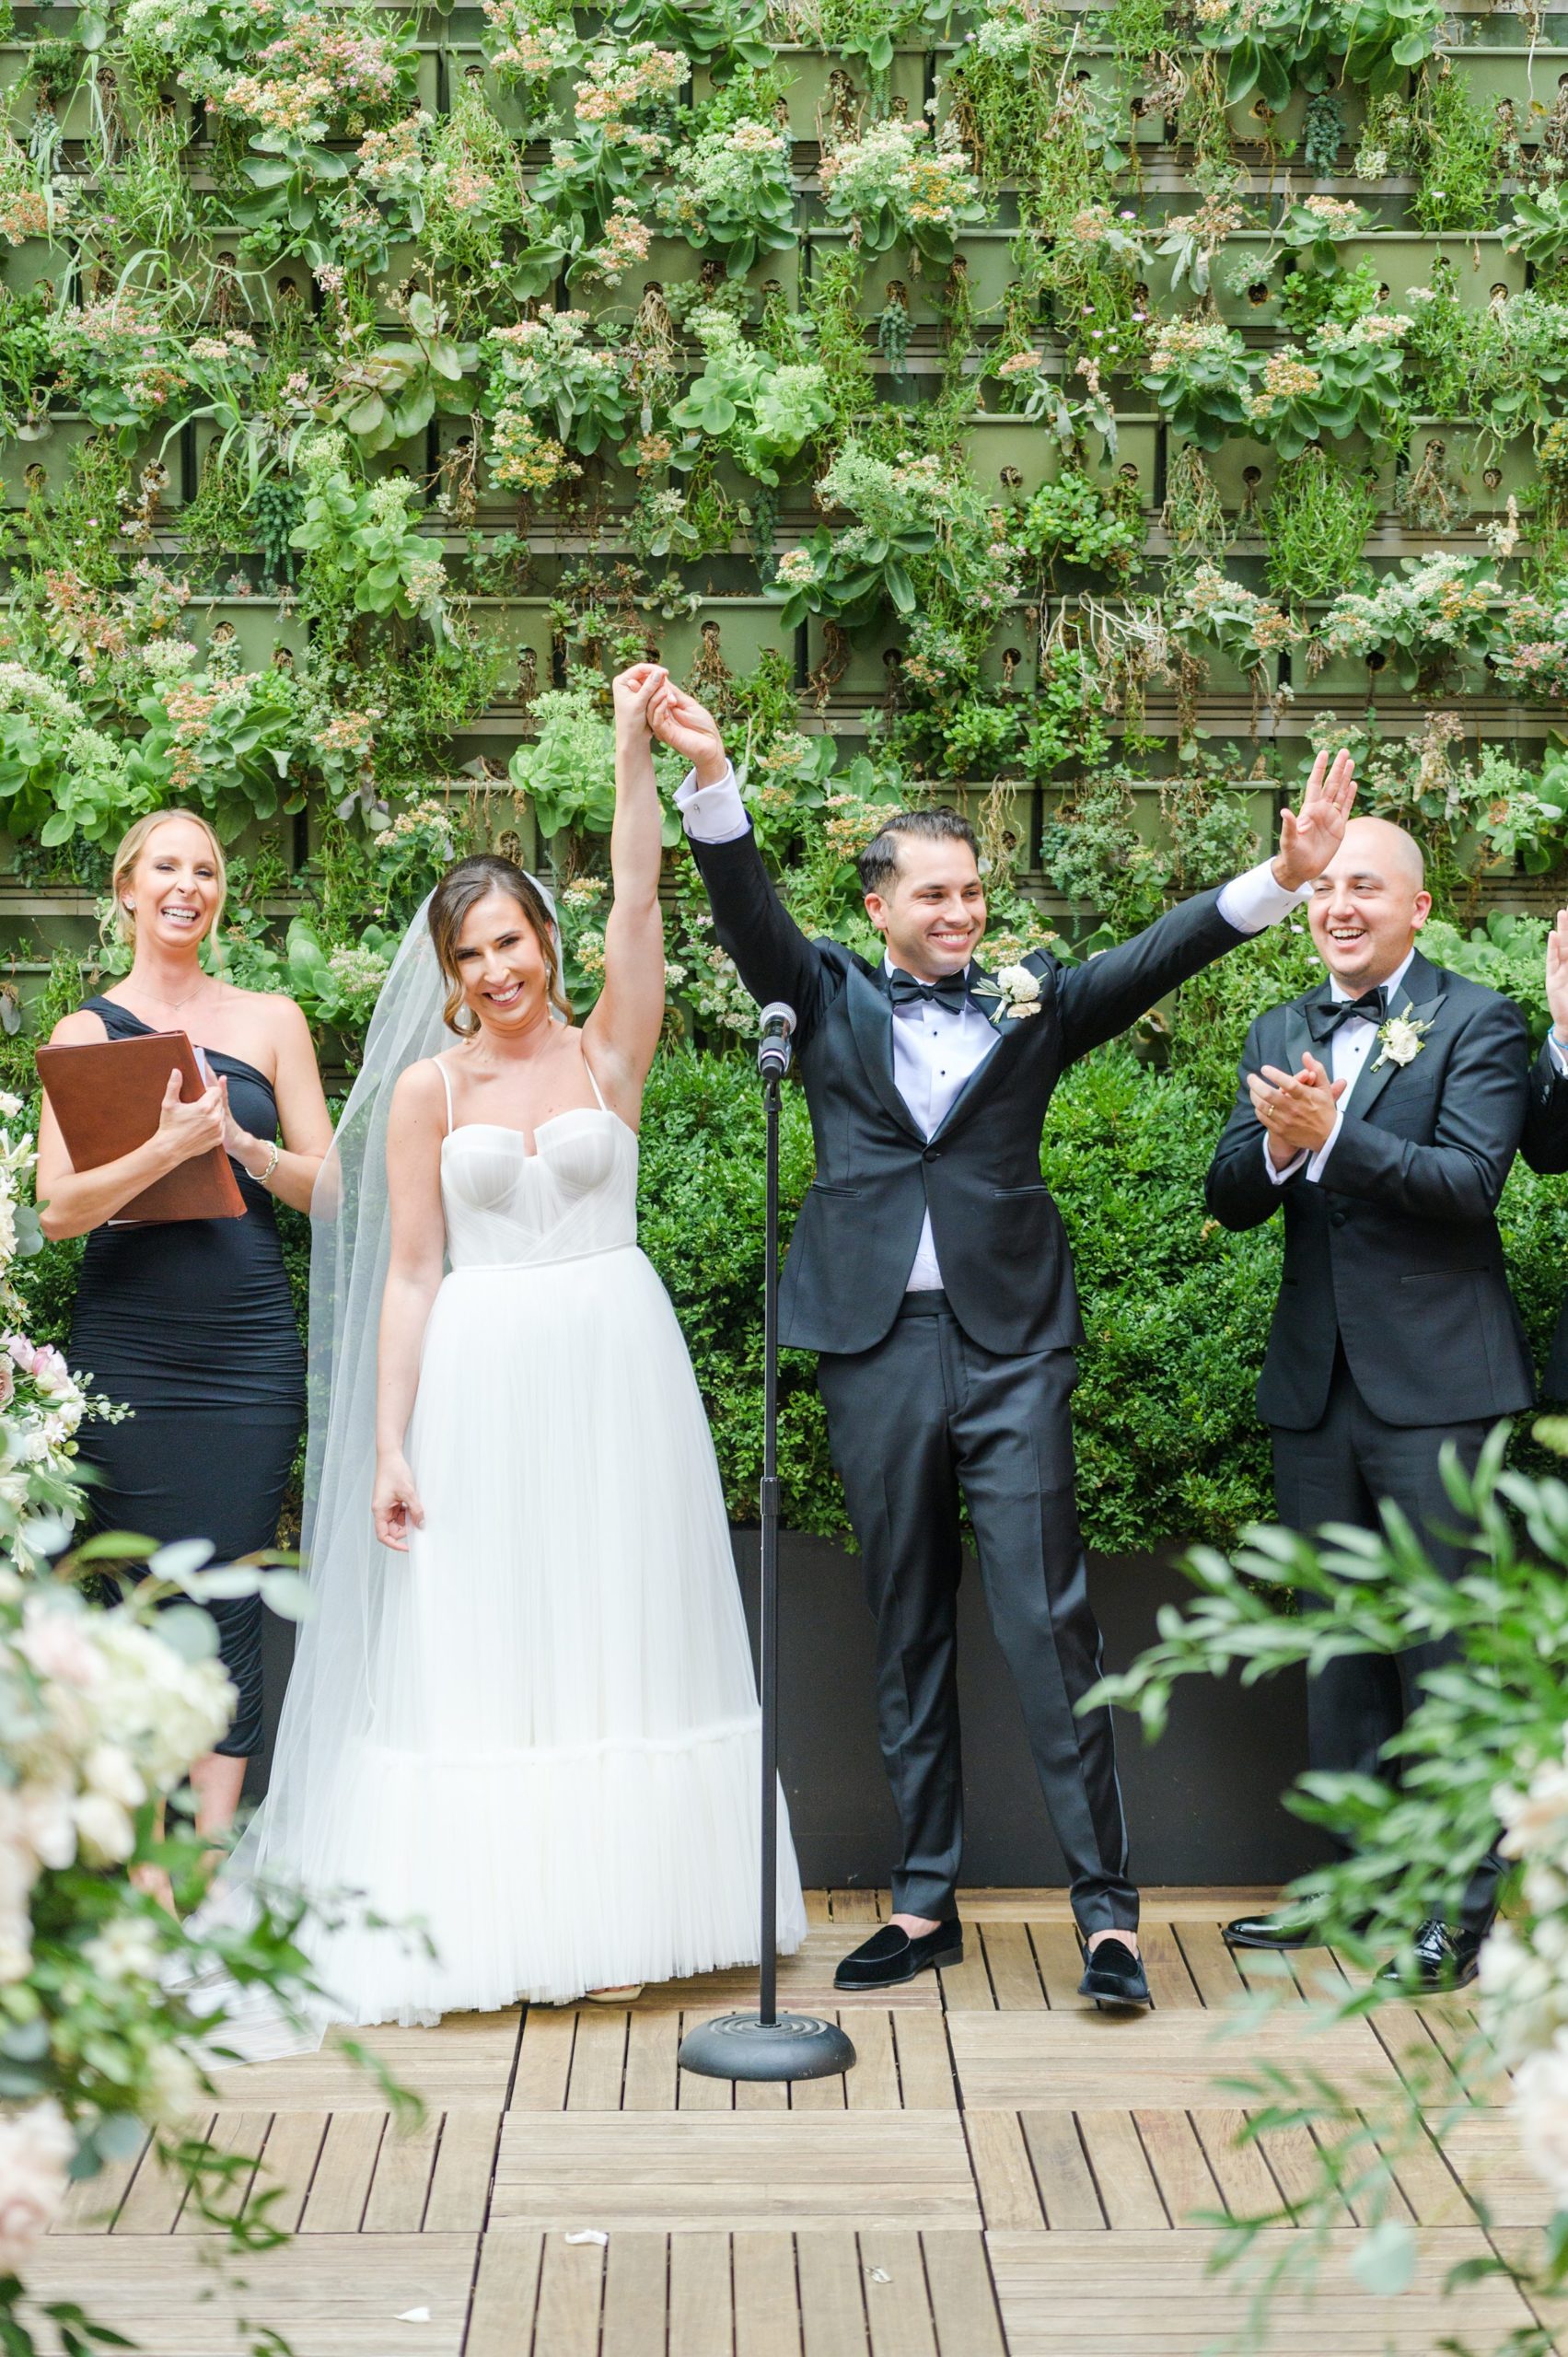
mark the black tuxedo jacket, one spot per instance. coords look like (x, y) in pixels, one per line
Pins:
(1396, 1251)
(1545, 1147)
(1006, 1265)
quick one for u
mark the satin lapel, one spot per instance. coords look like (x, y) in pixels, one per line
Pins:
(986, 1075)
(1420, 996)
(1299, 1031)
(871, 1020)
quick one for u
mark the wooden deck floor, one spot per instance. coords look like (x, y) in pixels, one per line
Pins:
(1007, 2173)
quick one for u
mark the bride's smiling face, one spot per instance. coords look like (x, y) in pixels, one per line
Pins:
(500, 965)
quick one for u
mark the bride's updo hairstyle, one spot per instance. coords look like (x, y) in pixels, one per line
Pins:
(460, 890)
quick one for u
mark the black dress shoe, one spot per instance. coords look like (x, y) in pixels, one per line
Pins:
(1438, 1960)
(890, 1955)
(1272, 1932)
(1113, 1975)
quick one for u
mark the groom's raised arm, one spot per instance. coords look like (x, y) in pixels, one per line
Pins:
(772, 954)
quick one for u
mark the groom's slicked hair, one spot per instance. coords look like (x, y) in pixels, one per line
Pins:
(460, 890)
(879, 860)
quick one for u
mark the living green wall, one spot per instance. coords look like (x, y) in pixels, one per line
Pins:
(1083, 413)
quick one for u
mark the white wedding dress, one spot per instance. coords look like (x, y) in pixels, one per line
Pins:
(558, 1772)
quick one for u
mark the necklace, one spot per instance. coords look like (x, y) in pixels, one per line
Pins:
(173, 1006)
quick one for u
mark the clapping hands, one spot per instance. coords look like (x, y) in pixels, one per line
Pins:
(1297, 1109)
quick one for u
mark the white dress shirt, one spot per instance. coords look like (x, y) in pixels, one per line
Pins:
(936, 1048)
(1348, 1051)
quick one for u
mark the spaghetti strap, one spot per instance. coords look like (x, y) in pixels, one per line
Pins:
(598, 1093)
(446, 1085)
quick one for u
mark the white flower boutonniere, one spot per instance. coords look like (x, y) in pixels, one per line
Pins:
(1403, 1038)
(1015, 991)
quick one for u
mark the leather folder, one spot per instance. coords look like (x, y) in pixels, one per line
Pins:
(107, 1096)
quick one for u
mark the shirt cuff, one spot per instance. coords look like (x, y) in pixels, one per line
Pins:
(1256, 901)
(1291, 1166)
(1559, 1054)
(1315, 1168)
(713, 814)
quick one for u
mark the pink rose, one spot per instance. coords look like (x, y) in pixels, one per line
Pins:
(36, 2149)
(56, 1646)
(22, 1353)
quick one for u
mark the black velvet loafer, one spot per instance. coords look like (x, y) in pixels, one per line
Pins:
(1113, 1975)
(1437, 1961)
(890, 1955)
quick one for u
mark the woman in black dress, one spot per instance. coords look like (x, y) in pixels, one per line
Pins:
(191, 1323)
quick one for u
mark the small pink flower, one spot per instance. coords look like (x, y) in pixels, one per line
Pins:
(22, 1353)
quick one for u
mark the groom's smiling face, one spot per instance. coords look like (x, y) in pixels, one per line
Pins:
(933, 913)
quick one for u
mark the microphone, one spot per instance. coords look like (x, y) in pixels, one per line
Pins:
(773, 1051)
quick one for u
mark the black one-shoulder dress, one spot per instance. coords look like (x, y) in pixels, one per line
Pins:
(191, 1325)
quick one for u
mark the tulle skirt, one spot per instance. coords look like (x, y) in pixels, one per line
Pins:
(559, 1785)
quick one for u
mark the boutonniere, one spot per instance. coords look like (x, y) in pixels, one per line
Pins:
(1403, 1038)
(1015, 990)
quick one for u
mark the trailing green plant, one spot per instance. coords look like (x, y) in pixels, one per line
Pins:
(1077, 521)
(1315, 524)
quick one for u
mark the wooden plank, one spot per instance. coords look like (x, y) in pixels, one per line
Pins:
(1247, 2188)
(963, 2305)
(341, 2187)
(688, 2171)
(1008, 2194)
(1057, 2293)
(1371, 2190)
(1170, 1983)
(873, 2084)
(544, 2060)
(1121, 2170)
(598, 2060)
(635, 2288)
(91, 2203)
(833, 2094)
(767, 2318)
(1185, 2181)
(1482, 2151)
(1014, 1976)
(966, 1986)
(467, 2061)
(322, 2295)
(762, 2095)
(897, 2306)
(1020, 2062)
(1060, 1961)
(401, 2186)
(1170, 1902)
(1210, 1963)
(819, 1907)
(854, 1907)
(571, 2291)
(832, 2300)
(925, 2066)
(804, 1983)
(460, 2184)
(1062, 2170)
(695, 2092)
(242, 2135)
(506, 2293)
(652, 2042)
(288, 2163)
(158, 2191)
(700, 2307)
(1297, 2167)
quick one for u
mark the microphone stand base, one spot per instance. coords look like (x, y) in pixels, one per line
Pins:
(742, 2046)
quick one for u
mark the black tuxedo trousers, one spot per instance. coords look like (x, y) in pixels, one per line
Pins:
(923, 1412)
(1342, 1471)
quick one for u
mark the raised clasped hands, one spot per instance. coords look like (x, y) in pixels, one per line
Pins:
(1297, 1109)
(679, 721)
(1309, 837)
(633, 690)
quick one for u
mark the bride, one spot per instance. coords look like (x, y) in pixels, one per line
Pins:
(522, 1713)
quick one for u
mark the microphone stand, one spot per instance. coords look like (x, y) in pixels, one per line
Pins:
(768, 2044)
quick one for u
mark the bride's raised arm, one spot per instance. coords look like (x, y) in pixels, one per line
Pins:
(623, 1029)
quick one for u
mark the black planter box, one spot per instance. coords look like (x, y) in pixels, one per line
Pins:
(1203, 1804)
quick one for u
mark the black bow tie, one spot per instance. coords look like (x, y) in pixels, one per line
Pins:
(1324, 1021)
(952, 992)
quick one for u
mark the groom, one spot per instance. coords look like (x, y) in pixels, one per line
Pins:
(930, 1271)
